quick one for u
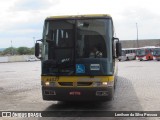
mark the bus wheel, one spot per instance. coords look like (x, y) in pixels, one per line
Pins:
(115, 82)
(111, 94)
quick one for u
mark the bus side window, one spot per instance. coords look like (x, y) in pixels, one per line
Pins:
(147, 51)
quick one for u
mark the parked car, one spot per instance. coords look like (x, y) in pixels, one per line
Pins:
(30, 59)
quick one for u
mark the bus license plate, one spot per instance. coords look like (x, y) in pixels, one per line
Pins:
(75, 93)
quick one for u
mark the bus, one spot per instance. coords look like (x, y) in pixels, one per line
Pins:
(79, 58)
(123, 56)
(156, 54)
(145, 53)
(128, 54)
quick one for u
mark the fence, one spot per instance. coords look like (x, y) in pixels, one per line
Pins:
(16, 58)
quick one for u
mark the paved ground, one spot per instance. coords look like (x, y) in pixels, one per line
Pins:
(138, 89)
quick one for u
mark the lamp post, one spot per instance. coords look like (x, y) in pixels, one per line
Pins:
(11, 48)
(33, 41)
(33, 45)
(137, 35)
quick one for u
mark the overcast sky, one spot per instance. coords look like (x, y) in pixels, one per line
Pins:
(21, 21)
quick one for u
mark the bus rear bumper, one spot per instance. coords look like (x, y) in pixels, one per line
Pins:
(77, 94)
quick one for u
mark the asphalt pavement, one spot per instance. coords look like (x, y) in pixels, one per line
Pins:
(137, 89)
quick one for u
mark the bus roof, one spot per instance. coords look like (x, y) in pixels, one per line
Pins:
(79, 16)
(149, 47)
(129, 48)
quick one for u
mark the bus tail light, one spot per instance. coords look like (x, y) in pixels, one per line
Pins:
(104, 83)
(48, 83)
(97, 84)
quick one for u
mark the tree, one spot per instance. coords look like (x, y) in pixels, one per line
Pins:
(32, 50)
(18, 51)
(23, 50)
(10, 51)
(1, 53)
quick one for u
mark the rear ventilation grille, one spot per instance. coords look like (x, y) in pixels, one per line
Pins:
(65, 83)
(75, 84)
(84, 83)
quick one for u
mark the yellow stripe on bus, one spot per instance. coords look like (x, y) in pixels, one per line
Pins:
(77, 78)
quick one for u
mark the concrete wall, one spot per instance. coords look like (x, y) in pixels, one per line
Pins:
(15, 58)
(4, 59)
(142, 43)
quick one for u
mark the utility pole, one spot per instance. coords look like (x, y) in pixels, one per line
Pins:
(34, 44)
(33, 41)
(11, 48)
(137, 35)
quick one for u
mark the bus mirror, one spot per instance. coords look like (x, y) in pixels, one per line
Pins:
(118, 49)
(117, 39)
(37, 50)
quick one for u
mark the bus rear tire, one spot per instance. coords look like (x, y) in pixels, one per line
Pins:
(111, 94)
